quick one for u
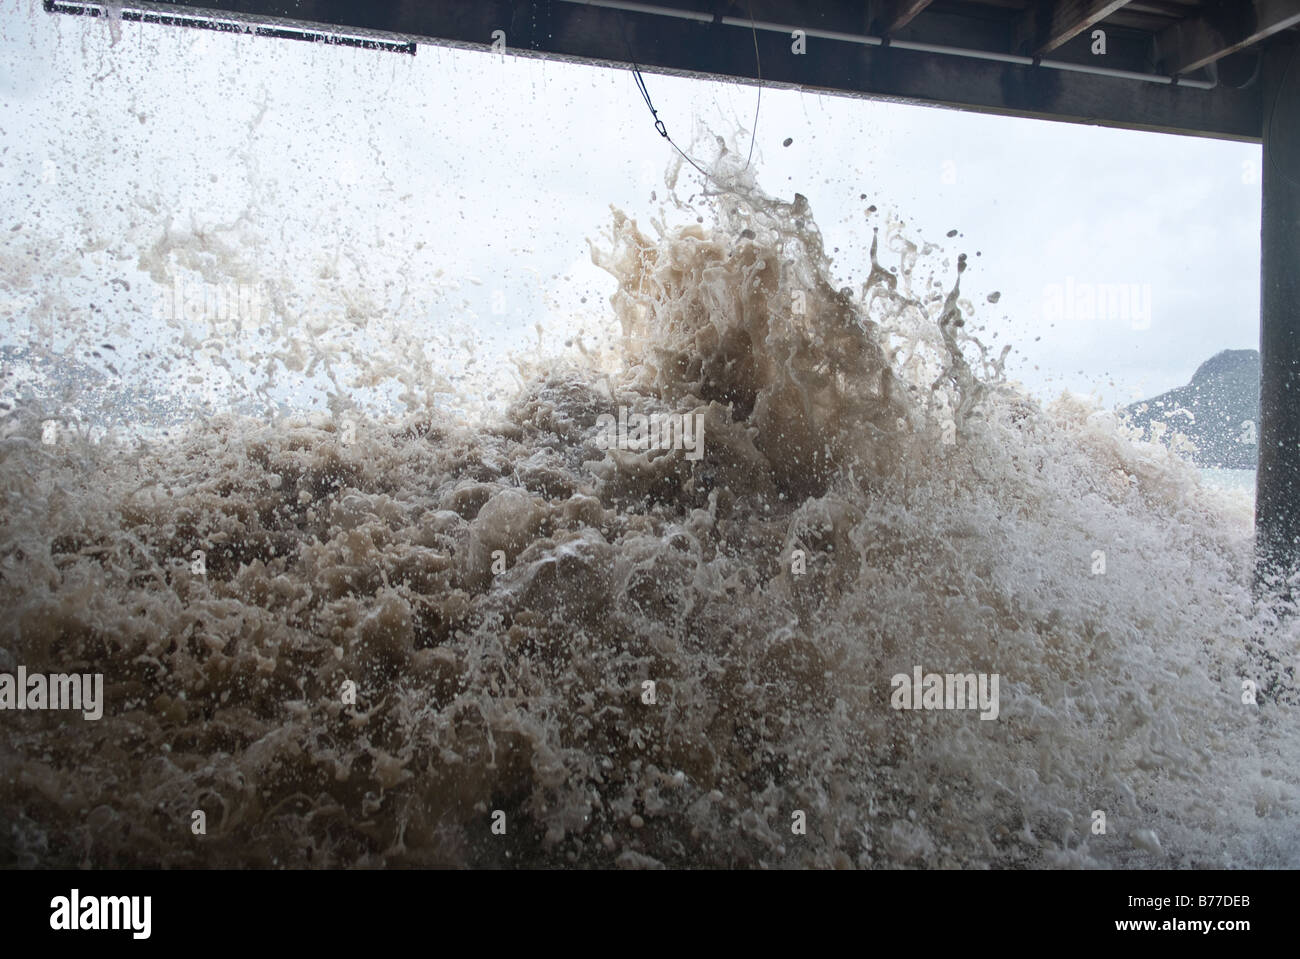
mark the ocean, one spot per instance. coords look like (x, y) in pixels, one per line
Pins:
(362, 506)
(351, 638)
(1243, 480)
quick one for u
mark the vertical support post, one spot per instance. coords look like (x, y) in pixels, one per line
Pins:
(1277, 482)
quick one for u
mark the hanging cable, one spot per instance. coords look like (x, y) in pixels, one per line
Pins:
(758, 69)
(663, 129)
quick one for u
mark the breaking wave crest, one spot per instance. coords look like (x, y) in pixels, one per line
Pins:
(871, 497)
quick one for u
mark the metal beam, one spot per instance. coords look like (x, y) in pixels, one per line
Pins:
(1277, 481)
(899, 13)
(1192, 44)
(1042, 28)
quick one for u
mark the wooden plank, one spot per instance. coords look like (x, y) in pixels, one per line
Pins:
(1198, 42)
(172, 16)
(899, 13)
(604, 35)
(1041, 29)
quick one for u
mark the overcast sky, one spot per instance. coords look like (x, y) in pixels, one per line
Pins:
(429, 184)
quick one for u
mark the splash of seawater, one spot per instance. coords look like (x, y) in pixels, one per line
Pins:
(501, 593)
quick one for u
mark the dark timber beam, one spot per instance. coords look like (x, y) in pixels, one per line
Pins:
(1045, 26)
(899, 13)
(1195, 43)
(843, 59)
(1277, 482)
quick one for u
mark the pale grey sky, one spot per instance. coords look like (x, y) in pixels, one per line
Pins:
(412, 190)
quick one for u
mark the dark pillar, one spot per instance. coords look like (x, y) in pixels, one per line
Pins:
(1277, 484)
